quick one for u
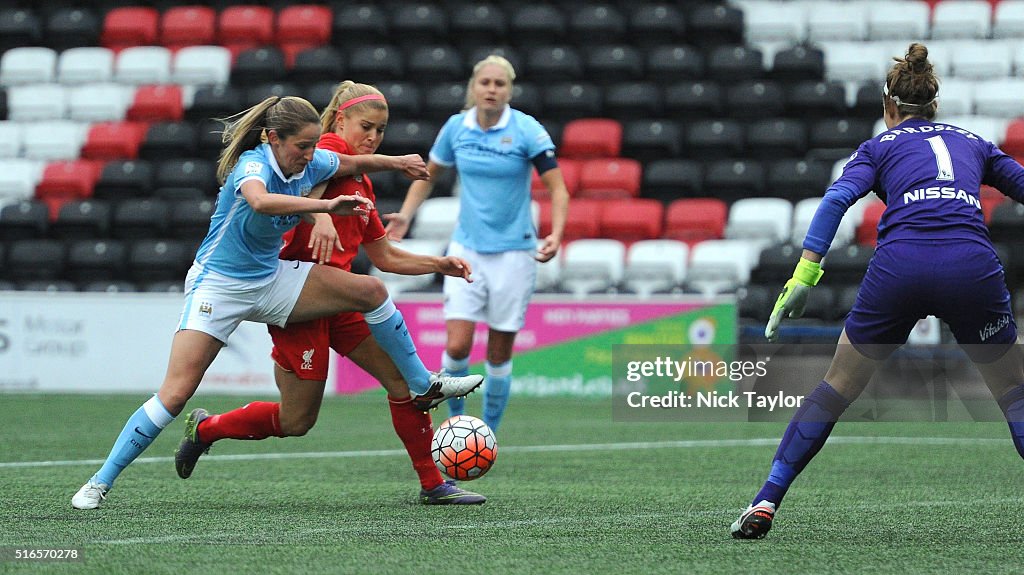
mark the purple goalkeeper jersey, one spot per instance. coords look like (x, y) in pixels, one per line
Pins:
(929, 175)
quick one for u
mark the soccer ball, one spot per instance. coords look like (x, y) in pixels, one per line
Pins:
(464, 447)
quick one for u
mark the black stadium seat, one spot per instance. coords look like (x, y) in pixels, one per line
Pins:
(732, 63)
(610, 63)
(376, 62)
(258, 92)
(140, 219)
(533, 24)
(527, 97)
(754, 99)
(553, 63)
(258, 65)
(359, 24)
(441, 100)
(82, 219)
(215, 102)
(478, 53)
(714, 139)
(166, 140)
(409, 137)
(323, 63)
(154, 260)
(601, 22)
(404, 98)
(19, 27)
(655, 24)
(667, 64)
(571, 100)
(192, 173)
(72, 27)
(730, 180)
(648, 140)
(776, 139)
(796, 179)
(24, 220)
(36, 260)
(190, 219)
(811, 99)
(670, 179)
(122, 179)
(628, 100)
(478, 24)
(96, 260)
(418, 23)
(435, 63)
(693, 99)
(798, 63)
(714, 24)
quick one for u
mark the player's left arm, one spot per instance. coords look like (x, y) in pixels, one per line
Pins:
(389, 258)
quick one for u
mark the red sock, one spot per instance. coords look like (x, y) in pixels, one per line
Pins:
(414, 429)
(258, 420)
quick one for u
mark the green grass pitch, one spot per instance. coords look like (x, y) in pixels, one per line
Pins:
(572, 492)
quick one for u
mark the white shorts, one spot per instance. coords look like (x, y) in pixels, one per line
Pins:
(502, 286)
(216, 304)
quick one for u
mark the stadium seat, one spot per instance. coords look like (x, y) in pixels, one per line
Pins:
(258, 65)
(899, 21)
(34, 102)
(535, 23)
(712, 24)
(18, 179)
(55, 140)
(755, 302)
(215, 102)
(675, 62)
(610, 178)
(714, 139)
(855, 61)
(694, 100)
(771, 21)
(843, 22)
(105, 102)
(10, 139)
(139, 219)
(409, 137)
(731, 180)
(631, 220)
(435, 63)
(113, 141)
(798, 63)
(19, 26)
(813, 99)
(157, 103)
(671, 179)
(356, 24)
(1007, 222)
(436, 218)
(847, 264)
(728, 62)
(989, 127)
(694, 220)
(570, 100)
(68, 179)
(87, 64)
(766, 220)
(476, 53)
(754, 99)
(244, 26)
(398, 283)
(96, 260)
(28, 65)
(958, 98)
(652, 25)
(1008, 19)
(592, 266)
(478, 24)
(404, 98)
(583, 220)
(182, 26)
(528, 98)
(190, 219)
(169, 286)
(189, 173)
(302, 26)
(201, 66)
(589, 21)
(570, 169)
(322, 63)
(152, 260)
(36, 260)
(554, 62)
(143, 65)
(124, 179)
(651, 140)
(591, 138)
(775, 265)
(626, 100)
(27, 219)
(418, 23)
(973, 60)
(128, 26)
(998, 97)
(776, 139)
(209, 137)
(73, 26)
(797, 179)
(962, 19)
(867, 230)
(256, 94)
(165, 140)
(81, 220)
(837, 137)
(721, 266)
(608, 63)
(377, 62)
(655, 266)
(442, 99)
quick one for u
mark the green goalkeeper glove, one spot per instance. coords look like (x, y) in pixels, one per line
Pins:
(794, 294)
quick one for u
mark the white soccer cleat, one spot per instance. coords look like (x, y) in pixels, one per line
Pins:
(755, 521)
(444, 387)
(90, 496)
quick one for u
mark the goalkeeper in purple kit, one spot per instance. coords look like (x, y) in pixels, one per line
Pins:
(934, 257)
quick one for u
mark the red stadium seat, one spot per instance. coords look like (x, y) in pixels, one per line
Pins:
(631, 220)
(302, 26)
(130, 26)
(1013, 142)
(591, 138)
(610, 178)
(694, 220)
(157, 103)
(183, 26)
(114, 141)
(991, 198)
(570, 174)
(68, 180)
(867, 231)
(583, 222)
(245, 26)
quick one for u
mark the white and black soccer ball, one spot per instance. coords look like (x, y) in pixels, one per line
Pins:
(464, 447)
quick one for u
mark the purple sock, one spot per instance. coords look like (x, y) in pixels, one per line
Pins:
(1012, 404)
(806, 433)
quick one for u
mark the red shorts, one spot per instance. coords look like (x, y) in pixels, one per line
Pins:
(301, 348)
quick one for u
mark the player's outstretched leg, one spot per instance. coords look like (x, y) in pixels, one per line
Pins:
(444, 387)
(448, 493)
(191, 447)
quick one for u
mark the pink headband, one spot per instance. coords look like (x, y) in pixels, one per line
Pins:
(359, 100)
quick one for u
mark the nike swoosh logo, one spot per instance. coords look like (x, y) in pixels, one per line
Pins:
(139, 431)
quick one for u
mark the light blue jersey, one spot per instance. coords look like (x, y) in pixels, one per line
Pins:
(494, 170)
(242, 243)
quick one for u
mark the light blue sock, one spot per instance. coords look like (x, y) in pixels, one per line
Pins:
(460, 368)
(388, 327)
(496, 390)
(142, 428)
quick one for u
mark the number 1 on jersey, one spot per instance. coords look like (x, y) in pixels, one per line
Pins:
(942, 160)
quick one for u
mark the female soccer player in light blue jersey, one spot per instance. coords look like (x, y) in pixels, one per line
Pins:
(494, 148)
(268, 171)
(934, 257)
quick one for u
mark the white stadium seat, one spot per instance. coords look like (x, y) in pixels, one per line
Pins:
(1000, 98)
(201, 65)
(143, 65)
(908, 19)
(774, 21)
(85, 64)
(27, 66)
(855, 62)
(99, 102)
(18, 178)
(718, 266)
(10, 139)
(837, 21)
(592, 265)
(655, 266)
(1008, 19)
(980, 59)
(35, 102)
(56, 140)
(962, 19)
(767, 220)
(956, 97)
(436, 218)
(804, 211)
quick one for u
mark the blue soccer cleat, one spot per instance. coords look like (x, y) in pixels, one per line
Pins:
(448, 493)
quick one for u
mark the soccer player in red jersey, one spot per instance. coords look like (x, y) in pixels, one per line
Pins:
(353, 123)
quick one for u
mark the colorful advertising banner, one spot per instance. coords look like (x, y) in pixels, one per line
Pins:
(565, 348)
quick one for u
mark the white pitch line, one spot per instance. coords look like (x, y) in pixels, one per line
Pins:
(681, 444)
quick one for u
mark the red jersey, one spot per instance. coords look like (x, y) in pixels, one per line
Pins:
(352, 230)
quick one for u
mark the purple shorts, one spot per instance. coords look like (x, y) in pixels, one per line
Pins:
(958, 281)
